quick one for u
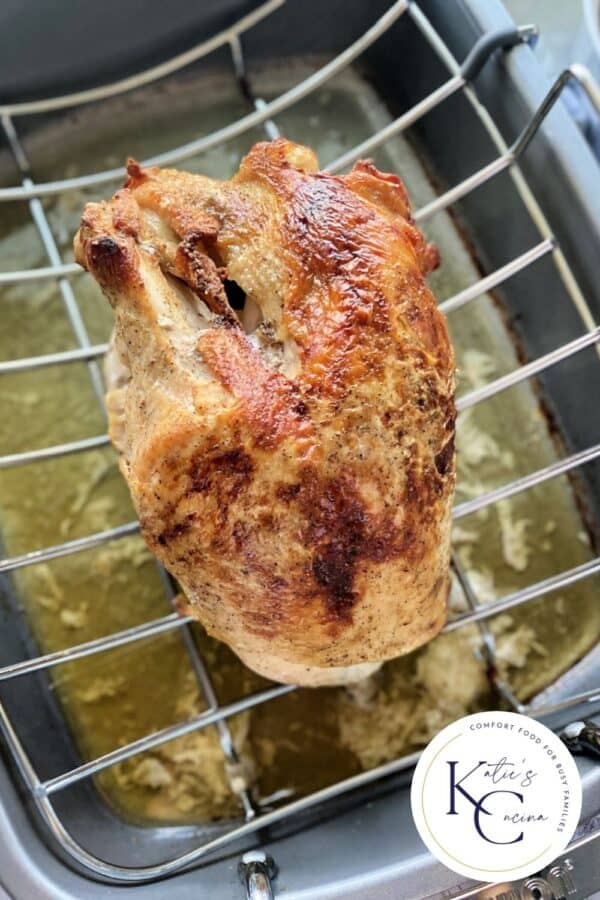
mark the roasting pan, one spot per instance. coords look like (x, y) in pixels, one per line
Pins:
(532, 230)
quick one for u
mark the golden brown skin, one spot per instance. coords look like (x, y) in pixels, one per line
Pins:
(296, 480)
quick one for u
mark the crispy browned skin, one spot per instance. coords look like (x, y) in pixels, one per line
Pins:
(297, 480)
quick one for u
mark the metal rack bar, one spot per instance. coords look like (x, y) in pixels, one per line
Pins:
(465, 187)
(9, 564)
(138, 875)
(477, 614)
(528, 370)
(549, 709)
(166, 623)
(531, 592)
(561, 467)
(495, 279)
(458, 192)
(239, 67)
(141, 632)
(91, 352)
(488, 641)
(61, 358)
(12, 460)
(469, 69)
(512, 154)
(40, 273)
(471, 598)
(399, 125)
(149, 741)
(225, 736)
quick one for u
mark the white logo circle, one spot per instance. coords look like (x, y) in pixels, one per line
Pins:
(496, 796)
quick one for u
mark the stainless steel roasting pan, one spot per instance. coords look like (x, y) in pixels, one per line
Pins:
(529, 212)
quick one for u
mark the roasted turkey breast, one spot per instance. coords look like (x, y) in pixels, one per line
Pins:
(291, 462)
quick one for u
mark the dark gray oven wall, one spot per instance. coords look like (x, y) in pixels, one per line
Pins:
(52, 47)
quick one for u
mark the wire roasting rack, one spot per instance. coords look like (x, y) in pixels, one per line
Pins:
(459, 79)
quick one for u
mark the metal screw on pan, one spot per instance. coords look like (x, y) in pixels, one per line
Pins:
(582, 737)
(256, 871)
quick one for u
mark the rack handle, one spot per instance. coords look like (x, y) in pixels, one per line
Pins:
(503, 39)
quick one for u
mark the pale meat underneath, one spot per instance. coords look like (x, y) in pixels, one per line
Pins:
(292, 464)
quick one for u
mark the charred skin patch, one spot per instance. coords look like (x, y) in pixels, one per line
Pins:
(444, 459)
(342, 533)
(219, 477)
(110, 262)
(336, 528)
(287, 492)
(226, 475)
(175, 531)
